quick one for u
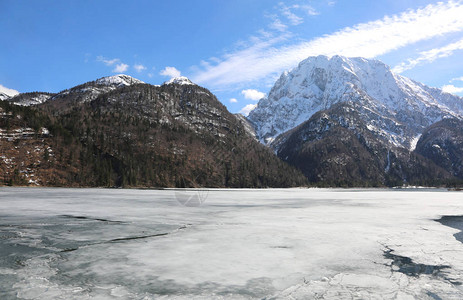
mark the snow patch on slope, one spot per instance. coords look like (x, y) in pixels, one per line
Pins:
(414, 142)
(4, 96)
(248, 126)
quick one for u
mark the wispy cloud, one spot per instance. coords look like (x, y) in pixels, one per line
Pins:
(267, 58)
(108, 61)
(278, 25)
(233, 100)
(292, 17)
(457, 79)
(252, 94)
(170, 72)
(429, 56)
(139, 67)
(310, 10)
(292, 12)
(247, 109)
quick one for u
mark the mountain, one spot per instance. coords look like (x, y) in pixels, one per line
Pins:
(28, 99)
(351, 121)
(336, 148)
(118, 131)
(396, 108)
(442, 143)
(81, 93)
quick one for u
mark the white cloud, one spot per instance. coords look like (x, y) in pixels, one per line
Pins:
(247, 109)
(252, 94)
(121, 68)
(139, 67)
(452, 89)
(233, 100)
(266, 59)
(170, 72)
(429, 56)
(7, 91)
(457, 79)
(107, 61)
(292, 17)
(310, 10)
(278, 25)
(288, 12)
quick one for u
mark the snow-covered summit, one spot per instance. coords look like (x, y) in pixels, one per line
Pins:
(28, 99)
(182, 80)
(6, 93)
(319, 82)
(91, 90)
(118, 80)
(82, 93)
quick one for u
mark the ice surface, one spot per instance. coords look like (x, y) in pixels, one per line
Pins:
(239, 244)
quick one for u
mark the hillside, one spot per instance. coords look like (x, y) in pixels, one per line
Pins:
(140, 135)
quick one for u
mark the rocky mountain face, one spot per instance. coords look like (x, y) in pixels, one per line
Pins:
(351, 121)
(336, 148)
(118, 131)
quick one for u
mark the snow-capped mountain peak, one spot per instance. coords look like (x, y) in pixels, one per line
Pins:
(118, 80)
(181, 80)
(6, 93)
(28, 99)
(82, 93)
(397, 108)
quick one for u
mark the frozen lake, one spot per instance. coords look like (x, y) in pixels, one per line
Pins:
(239, 244)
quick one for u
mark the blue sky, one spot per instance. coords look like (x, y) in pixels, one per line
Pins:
(235, 48)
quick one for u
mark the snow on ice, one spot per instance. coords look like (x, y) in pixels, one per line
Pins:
(239, 244)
